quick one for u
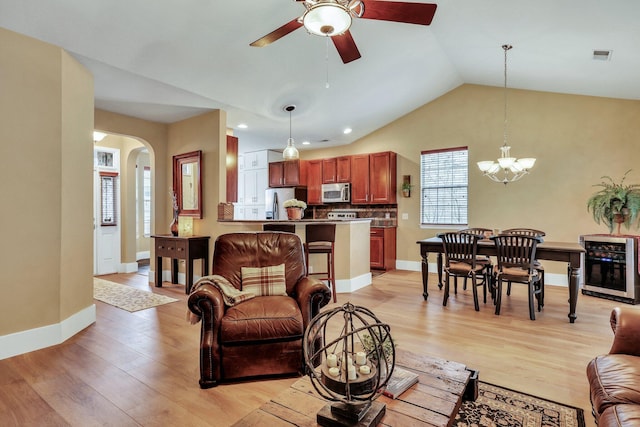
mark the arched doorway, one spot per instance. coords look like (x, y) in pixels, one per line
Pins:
(123, 185)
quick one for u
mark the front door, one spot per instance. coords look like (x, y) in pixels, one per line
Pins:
(106, 236)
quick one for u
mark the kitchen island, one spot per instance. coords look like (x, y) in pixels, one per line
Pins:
(352, 266)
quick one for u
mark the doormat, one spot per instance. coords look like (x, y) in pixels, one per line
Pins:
(126, 297)
(497, 406)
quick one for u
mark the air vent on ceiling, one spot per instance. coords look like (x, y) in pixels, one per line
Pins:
(602, 55)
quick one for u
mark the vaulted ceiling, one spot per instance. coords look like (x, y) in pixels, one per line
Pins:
(168, 60)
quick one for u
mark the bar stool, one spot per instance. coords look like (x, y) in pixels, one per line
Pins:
(320, 239)
(287, 228)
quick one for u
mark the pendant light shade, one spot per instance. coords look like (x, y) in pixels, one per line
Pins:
(290, 152)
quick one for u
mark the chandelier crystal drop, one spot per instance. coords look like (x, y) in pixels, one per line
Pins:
(506, 169)
(290, 152)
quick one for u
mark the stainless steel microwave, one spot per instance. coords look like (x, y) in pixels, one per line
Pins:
(336, 193)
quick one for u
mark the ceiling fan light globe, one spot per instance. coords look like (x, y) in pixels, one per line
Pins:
(327, 19)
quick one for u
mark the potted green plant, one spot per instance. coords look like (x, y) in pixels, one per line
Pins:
(615, 203)
(294, 208)
(406, 189)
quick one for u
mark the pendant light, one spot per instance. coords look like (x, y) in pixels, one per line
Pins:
(290, 152)
(506, 169)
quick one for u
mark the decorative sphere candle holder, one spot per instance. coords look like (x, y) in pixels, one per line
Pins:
(349, 356)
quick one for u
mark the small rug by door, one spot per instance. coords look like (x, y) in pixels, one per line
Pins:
(497, 406)
(126, 297)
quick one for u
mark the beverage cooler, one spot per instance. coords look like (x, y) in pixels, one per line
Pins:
(611, 267)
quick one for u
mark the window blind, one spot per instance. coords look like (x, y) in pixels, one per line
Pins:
(444, 176)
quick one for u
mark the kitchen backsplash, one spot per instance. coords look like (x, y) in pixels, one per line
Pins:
(382, 216)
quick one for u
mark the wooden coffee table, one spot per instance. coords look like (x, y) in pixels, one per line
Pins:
(434, 401)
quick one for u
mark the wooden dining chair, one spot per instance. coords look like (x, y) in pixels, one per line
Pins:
(460, 253)
(515, 254)
(538, 265)
(482, 233)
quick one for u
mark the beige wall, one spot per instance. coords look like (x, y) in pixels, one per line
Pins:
(576, 140)
(46, 168)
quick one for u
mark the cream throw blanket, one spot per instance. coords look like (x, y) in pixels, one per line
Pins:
(230, 294)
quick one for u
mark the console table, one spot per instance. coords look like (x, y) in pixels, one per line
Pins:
(433, 402)
(186, 248)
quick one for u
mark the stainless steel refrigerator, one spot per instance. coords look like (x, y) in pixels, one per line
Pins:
(275, 198)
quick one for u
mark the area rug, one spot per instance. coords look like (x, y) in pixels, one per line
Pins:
(126, 297)
(501, 407)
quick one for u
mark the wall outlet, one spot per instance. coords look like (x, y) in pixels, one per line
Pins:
(405, 216)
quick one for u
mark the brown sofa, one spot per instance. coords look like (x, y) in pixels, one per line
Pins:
(614, 378)
(261, 336)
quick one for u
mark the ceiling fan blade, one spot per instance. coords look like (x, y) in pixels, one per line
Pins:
(346, 47)
(399, 11)
(278, 33)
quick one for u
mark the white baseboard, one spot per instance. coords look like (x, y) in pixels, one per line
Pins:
(166, 277)
(143, 255)
(353, 284)
(46, 336)
(128, 267)
(409, 265)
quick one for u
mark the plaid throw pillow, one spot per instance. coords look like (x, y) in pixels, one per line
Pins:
(264, 281)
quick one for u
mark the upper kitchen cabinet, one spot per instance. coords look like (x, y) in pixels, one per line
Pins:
(259, 159)
(373, 178)
(314, 182)
(336, 169)
(343, 169)
(288, 173)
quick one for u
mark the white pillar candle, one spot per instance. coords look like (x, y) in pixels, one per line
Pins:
(361, 358)
(332, 360)
(334, 372)
(365, 370)
(352, 372)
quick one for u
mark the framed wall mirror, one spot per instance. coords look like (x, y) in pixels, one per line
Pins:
(187, 183)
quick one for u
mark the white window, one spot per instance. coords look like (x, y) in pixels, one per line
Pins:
(444, 181)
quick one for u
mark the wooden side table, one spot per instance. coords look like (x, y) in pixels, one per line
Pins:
(186, 248)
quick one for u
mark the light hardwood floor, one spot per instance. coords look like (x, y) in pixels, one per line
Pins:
(141, 368)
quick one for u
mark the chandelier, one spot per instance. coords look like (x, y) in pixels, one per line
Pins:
(506, 169)
(330, 17)
(290, 152)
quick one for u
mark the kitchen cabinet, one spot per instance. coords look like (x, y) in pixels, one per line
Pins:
(343, 169)
(383, 248)
(374, 178)
(336, 169)
(329, 170)
(254, 186)
(288, 173)
(360, 179)
(314, 182)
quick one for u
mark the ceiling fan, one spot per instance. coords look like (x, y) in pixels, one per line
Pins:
(333, 18)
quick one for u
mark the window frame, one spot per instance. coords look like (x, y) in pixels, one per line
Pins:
(448, 193)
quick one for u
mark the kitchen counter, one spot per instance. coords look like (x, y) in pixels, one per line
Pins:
(352, 252)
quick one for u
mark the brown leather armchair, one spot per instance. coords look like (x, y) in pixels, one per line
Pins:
(614, 378)
(261, 336)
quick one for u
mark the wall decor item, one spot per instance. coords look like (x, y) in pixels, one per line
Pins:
(187, 183)
(406, 185)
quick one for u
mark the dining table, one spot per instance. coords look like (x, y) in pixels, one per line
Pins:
(568, 252)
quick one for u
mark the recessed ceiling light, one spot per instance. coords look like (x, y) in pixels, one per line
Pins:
(602, 55)
(306, 143)
(242, 126)
(347, 131)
